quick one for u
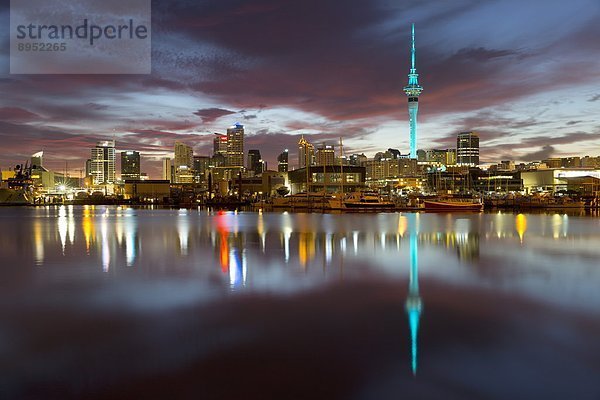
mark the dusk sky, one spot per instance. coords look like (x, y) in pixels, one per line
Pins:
(524, 74)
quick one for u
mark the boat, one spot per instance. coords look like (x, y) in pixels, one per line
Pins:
(14, 197)
(565, 202)
(453, 204)
(17, 191)
(361, 201)
(549, 202)
(303, 200)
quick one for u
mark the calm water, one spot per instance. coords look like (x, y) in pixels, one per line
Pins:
(128, 303)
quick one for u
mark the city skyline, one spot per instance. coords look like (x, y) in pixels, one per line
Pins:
(526, 82)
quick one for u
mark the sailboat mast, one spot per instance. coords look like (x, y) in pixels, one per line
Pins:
(342, 163)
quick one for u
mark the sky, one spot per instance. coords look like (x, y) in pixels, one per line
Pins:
(525, 75)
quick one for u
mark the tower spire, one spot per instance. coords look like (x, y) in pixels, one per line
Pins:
(413, 52)
(413, 90)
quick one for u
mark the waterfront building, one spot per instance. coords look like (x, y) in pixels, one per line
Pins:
(147, 190)
(467, 149)
(130, 165)
(103, 162)
(235, 145)
(328, 178)
(413, 91)
(559, 179)
(282, 161)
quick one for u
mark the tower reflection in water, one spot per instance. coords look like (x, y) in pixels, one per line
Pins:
(414, 304)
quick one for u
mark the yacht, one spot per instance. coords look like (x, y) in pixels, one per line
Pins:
(303, 200)
(453, 204)
(360, 201)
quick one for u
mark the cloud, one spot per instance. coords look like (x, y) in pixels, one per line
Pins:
(545, 152)
(16, 114)
(209, 115)
(595, 97)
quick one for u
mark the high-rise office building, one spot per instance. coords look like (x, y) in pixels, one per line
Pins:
(413, 91)
(184, 163)
(235, 145)
(467, 149)
(88, 168)
(282, 161)
(255, 161)
(220, 144)
(184, 155)
(103, 163)
(306, 153)
(130, 165)
(201, 165)
(167, 170)
(441, 157)
(325, 155)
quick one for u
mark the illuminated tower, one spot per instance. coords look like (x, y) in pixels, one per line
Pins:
(235, 145)
(414, 304)
(413, 90)
(103, 162)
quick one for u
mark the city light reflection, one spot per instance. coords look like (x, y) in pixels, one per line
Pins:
(63, 227)
(130, 238)
(38, 241)
(521, 226)
(183, 231)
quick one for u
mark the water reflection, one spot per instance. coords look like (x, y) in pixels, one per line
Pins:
(270, 281)
(413, 301)
(114, 235)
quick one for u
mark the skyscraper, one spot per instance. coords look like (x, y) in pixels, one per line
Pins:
(220, 144)
(103, 162)
(467, 149)
(201, 164)
(167, 174)
(413, 91)
(130, 165)
(282, 161)
(184, 163)
(306, 153)
(254, 161)
(235, 145)
(88, 168)
(325, 155)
